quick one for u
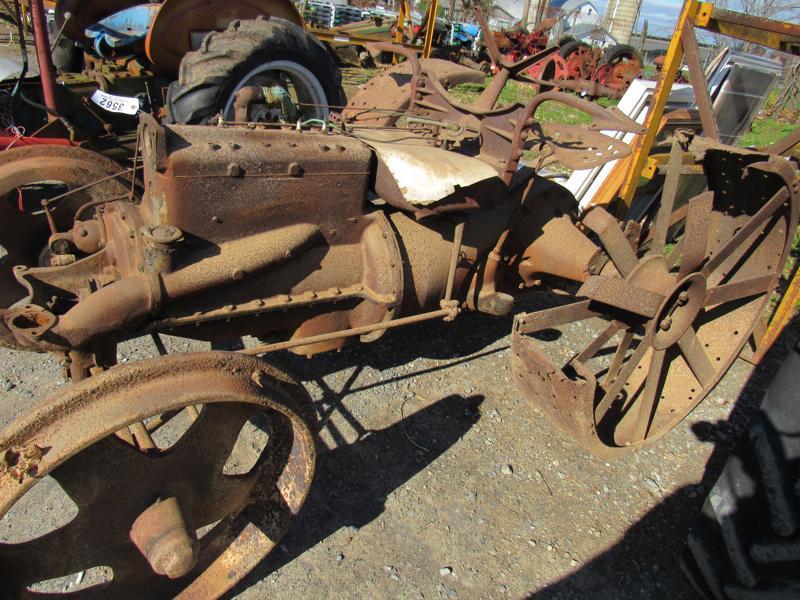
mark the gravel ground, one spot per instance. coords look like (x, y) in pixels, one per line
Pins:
(437, 480)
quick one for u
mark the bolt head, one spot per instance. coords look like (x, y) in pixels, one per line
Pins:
(666, 323)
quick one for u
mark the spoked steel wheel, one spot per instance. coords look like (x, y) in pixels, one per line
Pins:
(180, 473)
(671, 321)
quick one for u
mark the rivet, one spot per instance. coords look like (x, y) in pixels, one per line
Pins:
(238, 274)
(234, 170)
(216, 219)
(294, 169)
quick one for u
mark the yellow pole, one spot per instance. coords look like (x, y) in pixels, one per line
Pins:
(643, 144)
(430, 19)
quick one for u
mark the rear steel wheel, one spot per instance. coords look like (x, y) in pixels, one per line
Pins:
(672, 322)
(184, 472)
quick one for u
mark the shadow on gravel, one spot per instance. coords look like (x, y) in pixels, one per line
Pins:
(352, 481)
(645, 563)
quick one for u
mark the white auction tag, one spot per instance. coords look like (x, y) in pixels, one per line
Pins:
(117, 104)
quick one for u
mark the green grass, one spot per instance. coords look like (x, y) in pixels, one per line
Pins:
(766, 131)
(520, 92)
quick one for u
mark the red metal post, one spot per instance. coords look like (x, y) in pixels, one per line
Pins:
(47, 72)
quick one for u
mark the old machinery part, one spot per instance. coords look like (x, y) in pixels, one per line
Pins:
(620, 66)
(255, 53)
(34, 174)
(579, 61)
(389, 91)
(182, 473)
(671, 320)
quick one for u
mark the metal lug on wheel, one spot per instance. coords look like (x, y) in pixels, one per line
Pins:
(164, 538)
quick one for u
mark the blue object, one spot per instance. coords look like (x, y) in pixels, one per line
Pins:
(122, 28)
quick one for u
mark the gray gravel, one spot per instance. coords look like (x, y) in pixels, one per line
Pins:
(473, 493)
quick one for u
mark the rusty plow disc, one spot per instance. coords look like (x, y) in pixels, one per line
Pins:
(668, 322)
(179, 474)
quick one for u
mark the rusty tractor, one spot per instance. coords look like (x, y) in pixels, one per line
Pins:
(309, 235)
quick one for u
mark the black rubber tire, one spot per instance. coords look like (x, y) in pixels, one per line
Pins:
(747, 541)
(570, 47)
(208, 76)
(614, 52)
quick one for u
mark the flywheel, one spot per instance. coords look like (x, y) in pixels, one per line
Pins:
(178, 475)
(669, 321)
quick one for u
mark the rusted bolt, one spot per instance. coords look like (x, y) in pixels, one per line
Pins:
(216, 219)
(666, 323)
(683, 298)
(294, 169)
(352, 220)
(82, 232)
(234, 170)
(324, 147)
(340, 148)
(238, 274)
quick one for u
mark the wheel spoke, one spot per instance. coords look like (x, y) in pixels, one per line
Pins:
(616, 245)
(695, 237)
(752, 226)
(668, 194)
(696, 358)
(737, 290)
(621, 294)
(72, 548)
(619, 357)
(553, 317)
(110, 461)
(644, 408)
(592, 349)
(618, 383)
(211, 437)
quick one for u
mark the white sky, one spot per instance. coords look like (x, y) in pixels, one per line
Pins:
(660, 14)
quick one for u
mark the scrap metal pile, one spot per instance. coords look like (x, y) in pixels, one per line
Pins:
(408, 206)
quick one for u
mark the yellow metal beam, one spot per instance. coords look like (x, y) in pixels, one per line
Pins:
(644, 143)
(779, 35)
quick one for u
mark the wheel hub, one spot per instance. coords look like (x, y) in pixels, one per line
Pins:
(164, 538)
(680, 309)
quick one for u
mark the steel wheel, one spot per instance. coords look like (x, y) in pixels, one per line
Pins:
(190, 513)
(674, 323)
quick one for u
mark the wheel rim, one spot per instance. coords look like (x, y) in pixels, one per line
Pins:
(672, 326)
(308, 92)
(113, 483)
